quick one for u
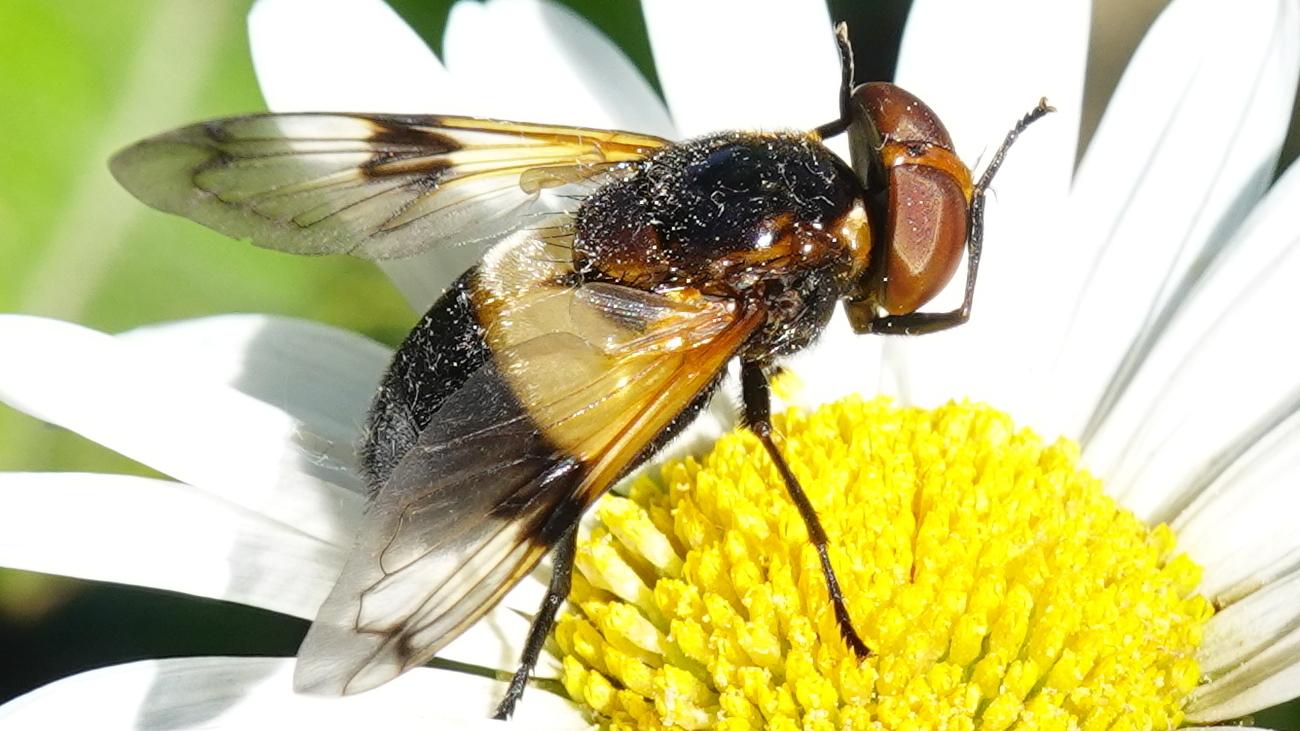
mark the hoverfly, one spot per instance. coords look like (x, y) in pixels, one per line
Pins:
(584, 340)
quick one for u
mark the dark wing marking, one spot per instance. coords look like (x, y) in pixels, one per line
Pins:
(373, 185)
(582, 380)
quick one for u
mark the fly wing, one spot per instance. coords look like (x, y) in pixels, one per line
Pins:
(582, 379)
(378, 186)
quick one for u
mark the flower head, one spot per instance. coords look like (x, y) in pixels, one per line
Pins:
(994, 579)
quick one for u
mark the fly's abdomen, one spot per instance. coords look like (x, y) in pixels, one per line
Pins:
(434, 361)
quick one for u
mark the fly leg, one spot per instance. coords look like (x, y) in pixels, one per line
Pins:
(830, 129)
(758, 419)
(556, 593)
(863, 317)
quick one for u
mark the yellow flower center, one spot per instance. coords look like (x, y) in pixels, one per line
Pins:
(994, 581)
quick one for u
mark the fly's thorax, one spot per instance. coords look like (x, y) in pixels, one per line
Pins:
(798, 307)
(726, 212)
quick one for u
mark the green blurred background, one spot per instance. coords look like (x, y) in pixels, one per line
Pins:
(79, 80)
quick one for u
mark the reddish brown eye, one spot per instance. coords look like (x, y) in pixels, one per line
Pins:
(927, 235)
(921, 191)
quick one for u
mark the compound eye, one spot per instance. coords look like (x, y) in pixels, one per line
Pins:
(920, 190)
(925, 235)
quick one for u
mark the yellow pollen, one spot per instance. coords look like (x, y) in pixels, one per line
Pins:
(996, 584)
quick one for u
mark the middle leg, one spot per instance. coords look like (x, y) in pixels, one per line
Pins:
(758, 419)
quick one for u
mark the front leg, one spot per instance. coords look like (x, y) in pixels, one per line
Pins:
(865, 319)
(758, 419)
(915, 323)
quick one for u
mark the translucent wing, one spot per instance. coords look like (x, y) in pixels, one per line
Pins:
(372, 185)
(582, 380)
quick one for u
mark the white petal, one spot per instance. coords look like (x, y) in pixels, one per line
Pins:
(238, 693)
(348, 56)
(323, 376)
(1266, 679)
(170, 536)
(1220, 374)
(1187, 146)
(1243, 630)
(357, 56)
(162, 535)
(981, 67)
(211, 436)
(236, 554)
(267, 358)
(1241, 529)
(571, 73)
(840, 363)
(745, 64)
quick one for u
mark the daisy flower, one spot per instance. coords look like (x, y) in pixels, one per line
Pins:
(1133, 304)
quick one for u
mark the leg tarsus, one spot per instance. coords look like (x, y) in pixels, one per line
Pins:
(842, 618)
(916, 323)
